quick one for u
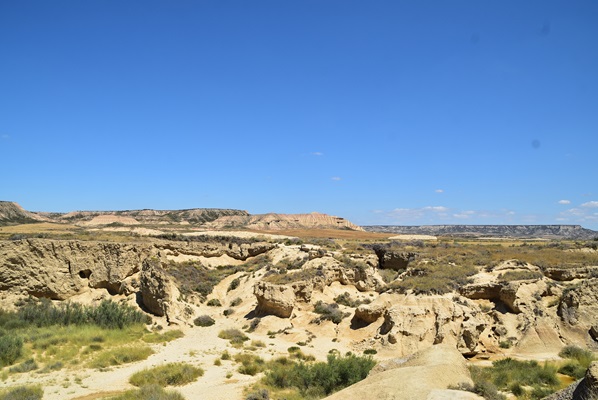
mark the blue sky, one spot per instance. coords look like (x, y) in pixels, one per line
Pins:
(383, 112)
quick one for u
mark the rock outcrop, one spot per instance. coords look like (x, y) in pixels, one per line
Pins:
(414, 323)
(569, 274)
(426, 375)
(579, 306)
(159, 293)
(274, 299)
(61, 269)
(395, 260)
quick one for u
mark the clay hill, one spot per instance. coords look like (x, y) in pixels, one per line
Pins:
(207, 218)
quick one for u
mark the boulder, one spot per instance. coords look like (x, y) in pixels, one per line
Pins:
(395, 260)
(274, 299)
(369, 313)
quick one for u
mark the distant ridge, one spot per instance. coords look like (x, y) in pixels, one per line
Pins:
(203, 218)
(12, 213)
(514, 231)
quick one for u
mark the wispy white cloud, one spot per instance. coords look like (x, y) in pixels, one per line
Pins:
(431, 215)
(336, 178)
(439, 190)
(317, 153)
(564, 201)
(5, 136)
(584, 214)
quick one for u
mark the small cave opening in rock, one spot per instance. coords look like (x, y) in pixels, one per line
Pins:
(85, 274)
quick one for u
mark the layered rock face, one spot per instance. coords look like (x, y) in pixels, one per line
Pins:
(579, 306)
(414, 323)
(61, 269)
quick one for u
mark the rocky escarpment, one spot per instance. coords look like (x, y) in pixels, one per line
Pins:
(60, 269)
(518, 231)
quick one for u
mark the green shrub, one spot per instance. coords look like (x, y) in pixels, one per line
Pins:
(235, 336)
(11, 348)
(236, 302)
(121, 355)
(204, 320)
(573, 369)
(164, 337)
(25, 366)
(583, 356)
(228, 312)
(250, 364)
(225, 355)
(329, 312)
(234, 284)
(107, 314)
(149, 392)
(322, 378)
(370, 351)
(172, 374)
(346, 300)
(261, 394)
(214, 303)
(22, 393)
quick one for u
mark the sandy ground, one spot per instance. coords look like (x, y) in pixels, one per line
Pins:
(413, 237)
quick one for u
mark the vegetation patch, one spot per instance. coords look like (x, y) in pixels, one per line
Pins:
(149, 392)
(346, 300)
(320, 379)
(522, 378)
(172, 374)
(121, 355)
(329, 312)
(22, 393)
(235, 336)
(204, 320)
(107, 314)
(250, 363)
(156, 337)
(578, 361)
(434, 277)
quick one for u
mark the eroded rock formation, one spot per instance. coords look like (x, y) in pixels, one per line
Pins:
(274, 299)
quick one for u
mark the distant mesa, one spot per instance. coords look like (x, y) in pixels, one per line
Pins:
(481, 231)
